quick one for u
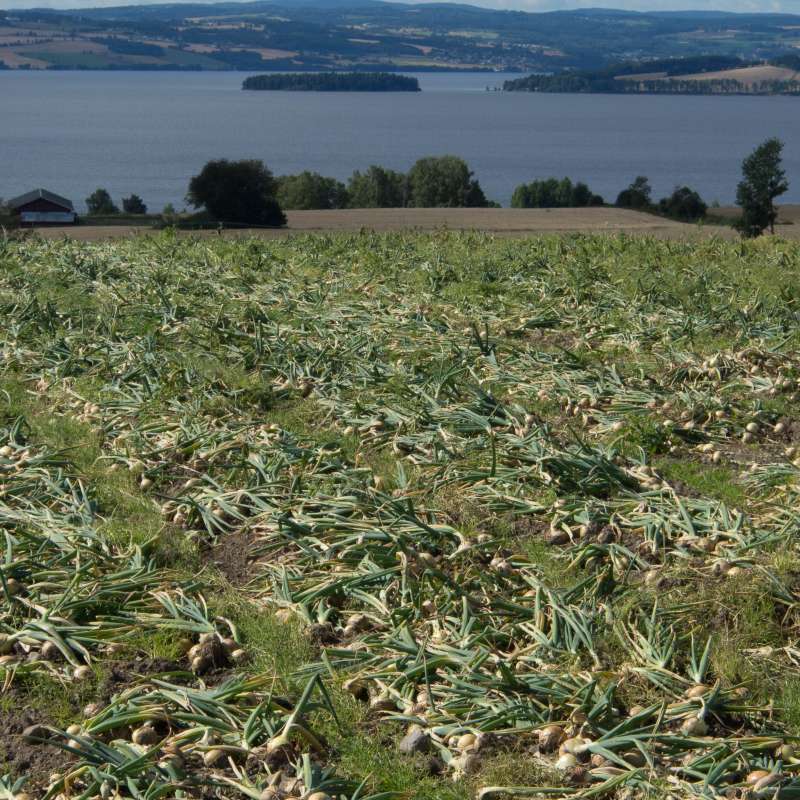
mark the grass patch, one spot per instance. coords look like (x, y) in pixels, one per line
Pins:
(554, 567)
(368, 752)
(273, 646)
(642, 436)
(715, 482)
(788, 701)
(56, 700)
(127, 516)
(516, 768)
(740, 615)
(157, 646)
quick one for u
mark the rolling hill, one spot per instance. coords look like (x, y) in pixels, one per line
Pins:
(367, 34)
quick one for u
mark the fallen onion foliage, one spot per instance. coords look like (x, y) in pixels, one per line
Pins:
(493, 482)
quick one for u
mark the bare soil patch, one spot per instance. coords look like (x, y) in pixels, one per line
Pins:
(37, 760)
(122, 674)
(231, 555)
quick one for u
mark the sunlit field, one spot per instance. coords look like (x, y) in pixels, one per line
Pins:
(432, 517)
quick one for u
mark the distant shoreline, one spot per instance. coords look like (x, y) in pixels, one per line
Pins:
(664, 92)
(703, 75)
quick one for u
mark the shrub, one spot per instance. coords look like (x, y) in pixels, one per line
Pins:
(684, 204)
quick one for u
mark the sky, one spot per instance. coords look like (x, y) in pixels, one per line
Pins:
(786, 6)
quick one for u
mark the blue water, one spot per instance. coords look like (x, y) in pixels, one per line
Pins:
(150, 132)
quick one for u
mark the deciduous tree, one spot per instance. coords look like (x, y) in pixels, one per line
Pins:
(684, 204)
(310, 190)
(133, 205)
(378, 187)
(763, 180)
(100, 202)
(552, 193)
(637, 196)
(239, 192)
(443, 182)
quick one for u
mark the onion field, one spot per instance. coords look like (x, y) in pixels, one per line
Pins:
(432, 517)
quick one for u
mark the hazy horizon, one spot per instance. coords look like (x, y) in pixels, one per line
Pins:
(740, 6)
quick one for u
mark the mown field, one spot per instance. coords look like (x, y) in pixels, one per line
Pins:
(420, 516)
(500, 221)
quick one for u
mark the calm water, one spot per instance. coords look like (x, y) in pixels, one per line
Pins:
(150, 132)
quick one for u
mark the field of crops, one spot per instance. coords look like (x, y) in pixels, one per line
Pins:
(431, 517)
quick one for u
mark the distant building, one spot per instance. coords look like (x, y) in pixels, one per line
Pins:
(41, 207)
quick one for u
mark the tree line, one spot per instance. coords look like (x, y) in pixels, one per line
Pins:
(684, 204)
(100, 203)
(554, 193)
(247, 193)
(433, 182)
(763, 181)
(586, 84)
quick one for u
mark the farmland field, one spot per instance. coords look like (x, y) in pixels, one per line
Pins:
(502, 221)
(362, 516)
(748, 76)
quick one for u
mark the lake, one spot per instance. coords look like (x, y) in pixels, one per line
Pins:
(149, 132)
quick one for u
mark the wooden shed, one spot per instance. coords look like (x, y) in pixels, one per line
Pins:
(41, 207)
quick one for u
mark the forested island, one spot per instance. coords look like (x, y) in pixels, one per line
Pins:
(695, 75)
(332, 82)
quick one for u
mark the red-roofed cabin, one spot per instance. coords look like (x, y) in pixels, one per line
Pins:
(41, 207)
